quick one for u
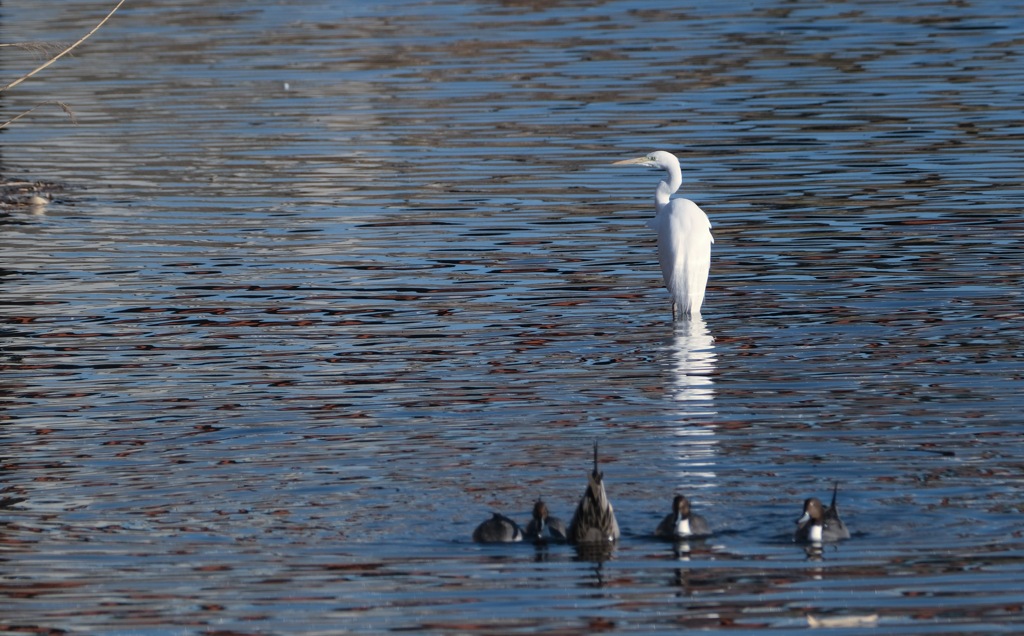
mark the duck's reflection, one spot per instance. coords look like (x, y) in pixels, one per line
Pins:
(681, 550)
(814, 552)
(597, 552)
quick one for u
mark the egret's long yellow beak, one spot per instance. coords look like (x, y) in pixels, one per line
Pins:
(629, 162)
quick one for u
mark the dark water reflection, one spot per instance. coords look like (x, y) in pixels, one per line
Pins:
(329, 282)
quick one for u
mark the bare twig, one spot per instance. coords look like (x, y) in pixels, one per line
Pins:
(63, 106)
(64, 52)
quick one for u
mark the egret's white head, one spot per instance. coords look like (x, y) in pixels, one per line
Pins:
(657, 159)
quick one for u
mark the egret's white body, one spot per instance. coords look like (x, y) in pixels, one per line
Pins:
(684, 236)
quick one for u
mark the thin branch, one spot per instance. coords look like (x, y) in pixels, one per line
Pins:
(62, 53)
(63, 106)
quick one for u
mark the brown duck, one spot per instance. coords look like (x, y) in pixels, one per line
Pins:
(594, 520)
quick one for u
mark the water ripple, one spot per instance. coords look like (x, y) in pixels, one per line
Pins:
(328, 283)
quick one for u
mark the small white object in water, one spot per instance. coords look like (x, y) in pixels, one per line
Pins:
(287, 86)
(843, 621)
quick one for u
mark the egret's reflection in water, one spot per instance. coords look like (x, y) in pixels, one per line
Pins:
(694, 366)
(692, 389)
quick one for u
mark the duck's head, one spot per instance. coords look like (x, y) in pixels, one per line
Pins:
(681, 506)
(813, 512)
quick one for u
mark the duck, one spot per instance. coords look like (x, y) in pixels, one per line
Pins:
(498, 529)
(594, 519)
(819, 524)
(681, 523)
(542, 522)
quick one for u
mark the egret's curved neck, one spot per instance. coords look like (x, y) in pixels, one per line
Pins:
(668, 186)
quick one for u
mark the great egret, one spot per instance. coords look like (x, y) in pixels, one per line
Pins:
(684, 236)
